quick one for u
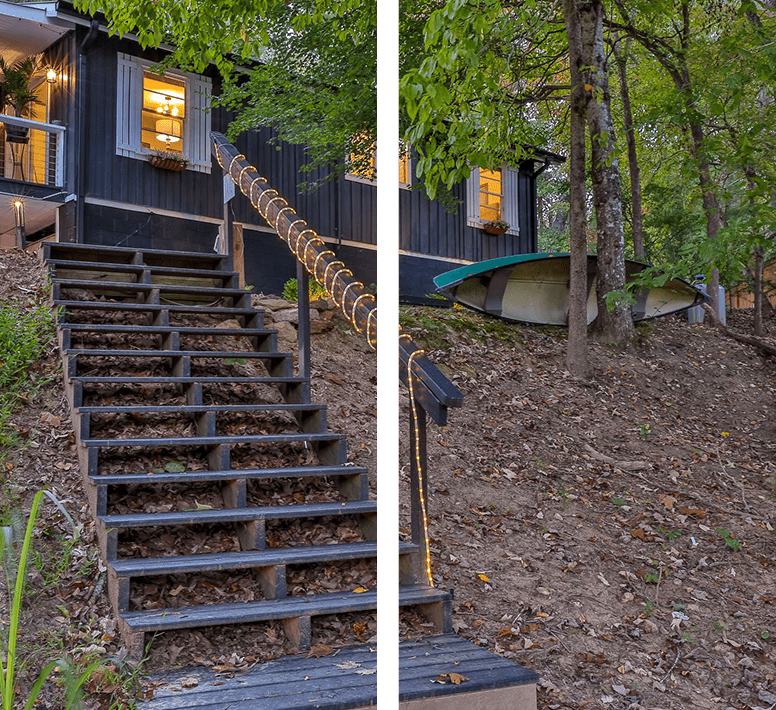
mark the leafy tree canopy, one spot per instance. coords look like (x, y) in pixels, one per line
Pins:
(305, 68)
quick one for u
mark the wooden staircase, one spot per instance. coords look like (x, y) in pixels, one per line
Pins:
(170, 340)
(190, 421)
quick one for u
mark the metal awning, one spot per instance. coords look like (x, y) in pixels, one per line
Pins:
(28, 28)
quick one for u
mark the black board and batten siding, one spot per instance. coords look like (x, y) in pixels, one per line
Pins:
(128, 202)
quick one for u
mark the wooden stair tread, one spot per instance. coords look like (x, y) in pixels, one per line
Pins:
(219, 354)
(199, 408)
(334, 685)
(53, 247)
(184, 380)
(133, 286)
(230, 475)
(215, 440)
(140, 268)
(155, 307)
(226, 515)
(244, 612)
(218, 561)
(165, 329)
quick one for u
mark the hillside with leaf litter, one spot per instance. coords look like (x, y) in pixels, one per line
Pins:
(615, 535)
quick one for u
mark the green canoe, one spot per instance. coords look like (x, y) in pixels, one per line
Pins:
(534, 288)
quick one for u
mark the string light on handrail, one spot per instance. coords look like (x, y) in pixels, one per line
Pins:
(310, 243)
(279, 215)
(332, 290)
(345, 294)
(372, 341)
(321, 254)
(353, 310)
(307, 246)
(419, 462)
(236, 157)
(266, 211)
(326, 272)
(291, 226)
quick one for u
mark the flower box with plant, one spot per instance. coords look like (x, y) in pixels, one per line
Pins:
(165, 160)
(16, 94)
(496, 226)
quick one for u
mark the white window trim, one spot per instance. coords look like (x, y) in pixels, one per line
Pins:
(510, 210)
(362, 180)
(196, 125)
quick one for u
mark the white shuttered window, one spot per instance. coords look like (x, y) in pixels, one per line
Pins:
(491, 193)
(190, 134)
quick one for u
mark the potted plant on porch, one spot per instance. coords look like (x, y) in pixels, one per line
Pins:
(17, 95)
(496, 226)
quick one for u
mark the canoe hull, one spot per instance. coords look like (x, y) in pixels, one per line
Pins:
(534, 288)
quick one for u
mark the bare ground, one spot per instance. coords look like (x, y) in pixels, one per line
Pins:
(615, 535)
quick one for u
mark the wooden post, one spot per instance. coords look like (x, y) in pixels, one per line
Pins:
(418, 459)
(303, 306)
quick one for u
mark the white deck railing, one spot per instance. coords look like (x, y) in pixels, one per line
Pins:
(40, 160)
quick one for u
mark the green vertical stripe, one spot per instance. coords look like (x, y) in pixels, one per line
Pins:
(387, 391)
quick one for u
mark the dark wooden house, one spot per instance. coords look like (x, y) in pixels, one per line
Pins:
(90, 172)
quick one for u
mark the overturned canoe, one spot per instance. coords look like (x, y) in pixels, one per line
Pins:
(534, 288)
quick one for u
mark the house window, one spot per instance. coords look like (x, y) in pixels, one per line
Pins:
(405, 175)
(363, 161)
(493, 195)
(162, 113)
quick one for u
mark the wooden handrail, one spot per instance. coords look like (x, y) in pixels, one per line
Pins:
(433, 390)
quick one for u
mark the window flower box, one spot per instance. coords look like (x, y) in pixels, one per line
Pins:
(168, 161)
(496, 227)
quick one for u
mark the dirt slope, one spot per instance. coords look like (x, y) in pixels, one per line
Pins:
(625, 586)
(617, 536)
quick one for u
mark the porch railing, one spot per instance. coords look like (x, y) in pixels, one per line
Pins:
(32, 151)
(431, 393)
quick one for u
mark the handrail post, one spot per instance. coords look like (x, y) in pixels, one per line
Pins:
(418, 478)
(303, 312)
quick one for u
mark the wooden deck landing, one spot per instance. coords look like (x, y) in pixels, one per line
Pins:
(347, 681)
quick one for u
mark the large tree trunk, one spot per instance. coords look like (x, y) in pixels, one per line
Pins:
(615, 324)
(576, 354)
(621, 58)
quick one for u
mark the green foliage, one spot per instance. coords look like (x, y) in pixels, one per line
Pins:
(16, 89)
(466, 82)
(24, 336)
(730, 541)
(16, 575)
(311, 65)
(291, 291)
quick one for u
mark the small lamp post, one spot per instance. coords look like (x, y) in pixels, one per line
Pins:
(18, 217)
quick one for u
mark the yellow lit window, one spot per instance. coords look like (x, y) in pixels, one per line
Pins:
(363, 159)
(404, 167)
(491, 192)
(164, 104)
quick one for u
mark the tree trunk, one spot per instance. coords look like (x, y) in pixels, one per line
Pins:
(710, 202)
(621, 58)
(576, 354)
(759, 258)
(674, 60)
(616, 324)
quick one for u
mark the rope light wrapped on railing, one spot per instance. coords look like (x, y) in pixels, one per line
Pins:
(350, 295)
